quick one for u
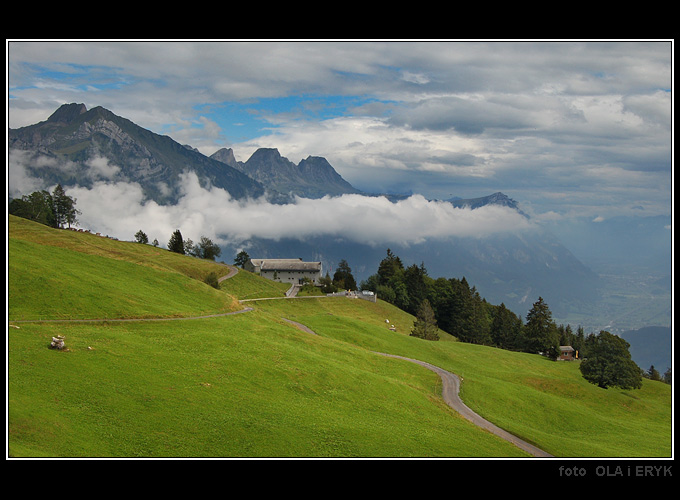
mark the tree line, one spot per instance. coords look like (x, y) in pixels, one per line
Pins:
(457, 308)
(55, 209)
(204, 249)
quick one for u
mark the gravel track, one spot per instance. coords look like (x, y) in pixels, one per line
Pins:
(450, 391)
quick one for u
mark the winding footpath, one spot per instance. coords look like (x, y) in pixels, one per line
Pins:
(450, 394)
(450, 381)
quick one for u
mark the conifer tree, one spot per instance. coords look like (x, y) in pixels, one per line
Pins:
(505, 328)
(425, 325)
(540, 331)
(388, 267)
(415, 280)
(653, 373)
(343, 278)
(176, 243)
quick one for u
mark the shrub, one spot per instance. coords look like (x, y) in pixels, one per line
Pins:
(211, 280)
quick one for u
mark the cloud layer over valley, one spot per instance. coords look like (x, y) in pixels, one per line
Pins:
(119, 209)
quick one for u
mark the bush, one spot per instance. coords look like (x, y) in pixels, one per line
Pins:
(211, 280)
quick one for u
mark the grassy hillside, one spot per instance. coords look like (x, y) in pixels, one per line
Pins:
(60, 274)
(254, 385)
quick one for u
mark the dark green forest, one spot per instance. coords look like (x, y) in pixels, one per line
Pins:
(459, 310)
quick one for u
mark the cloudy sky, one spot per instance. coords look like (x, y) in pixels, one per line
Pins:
(566, 128)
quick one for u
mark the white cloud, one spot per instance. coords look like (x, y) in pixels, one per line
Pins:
(101, 168)
(213, 213)
(19, 181)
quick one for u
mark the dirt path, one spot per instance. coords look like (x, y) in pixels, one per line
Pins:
(450, 394)
(232, 271)
(450, 390)
(299, 325)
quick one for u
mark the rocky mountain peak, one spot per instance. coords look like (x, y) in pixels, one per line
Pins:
(67, 113)
(492, 199)
(313, 177)
(157, 163)
(225, 155)
(501, 199)
(267, 155)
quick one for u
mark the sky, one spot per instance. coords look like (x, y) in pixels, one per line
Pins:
(569, 129)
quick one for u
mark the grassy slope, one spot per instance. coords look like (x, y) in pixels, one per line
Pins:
(63, 274)
(253, 385)
(544, 402)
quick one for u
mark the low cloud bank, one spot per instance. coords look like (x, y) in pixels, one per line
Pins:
(120, 210)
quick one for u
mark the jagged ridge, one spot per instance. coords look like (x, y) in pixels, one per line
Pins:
(79, 136)
(313, 177)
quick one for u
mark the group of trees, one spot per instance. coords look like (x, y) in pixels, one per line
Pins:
(653, 374)
(457, 308)
(55, 209)
(204, 249)
(342, 279)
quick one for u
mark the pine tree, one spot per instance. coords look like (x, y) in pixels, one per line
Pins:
(505, 328)
(653, 373)
(425, 325)
(461, 322)
(388, 267)
(343, 278)
(540, 331)
(176, 243)
(415, 280)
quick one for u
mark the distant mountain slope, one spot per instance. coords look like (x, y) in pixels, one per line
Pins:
(513, 269)
(313, 177)
(79, 146)
(652, 345)
(493, 199)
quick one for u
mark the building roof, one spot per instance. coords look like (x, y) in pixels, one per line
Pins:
(286, 265)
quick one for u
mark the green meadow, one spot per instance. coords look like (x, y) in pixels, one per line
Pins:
(253, 385)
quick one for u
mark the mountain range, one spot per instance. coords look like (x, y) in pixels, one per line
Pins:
(77, 146)
(313, 177)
